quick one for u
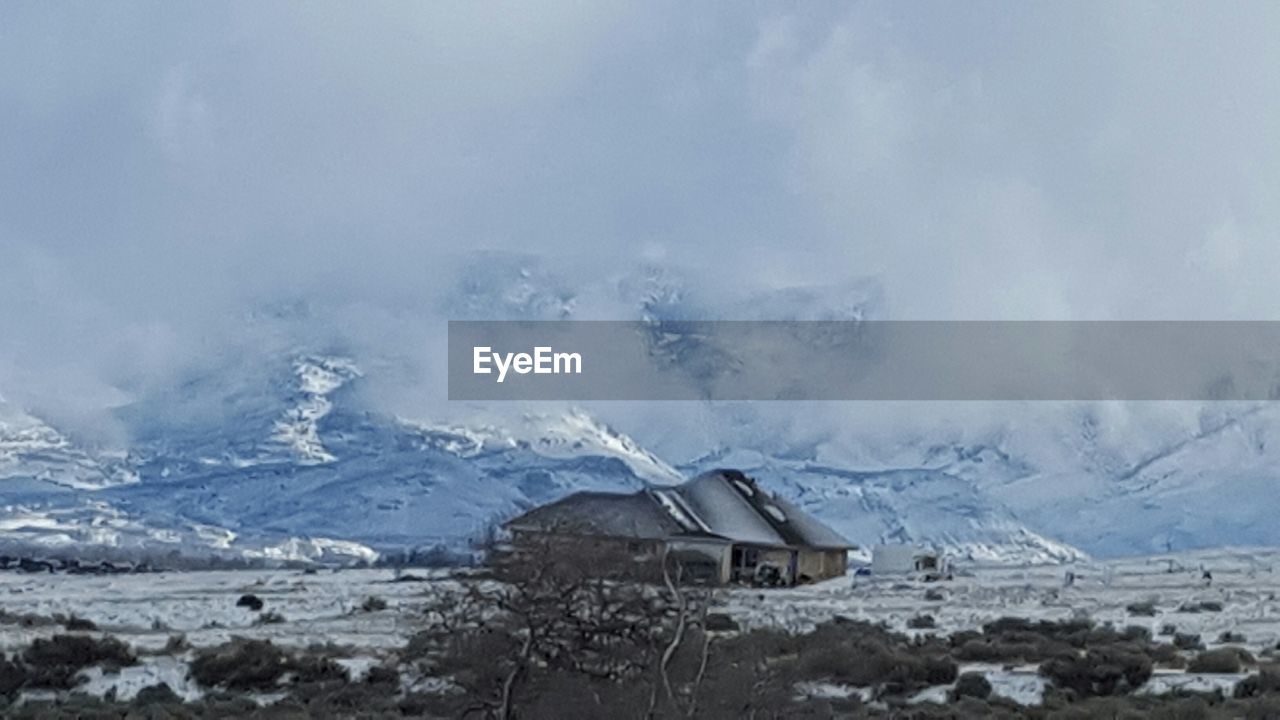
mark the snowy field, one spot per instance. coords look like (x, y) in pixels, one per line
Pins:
(1245, 582)
(146, 609)
(326, 607)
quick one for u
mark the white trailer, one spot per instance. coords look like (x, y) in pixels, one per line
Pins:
(907, 560)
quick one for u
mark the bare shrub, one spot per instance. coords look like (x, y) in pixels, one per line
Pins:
(383, 675)
(720, 622)
(158, 694)
(866, 655)
(1166, 655)
(1265, 681)
(1136, 633)
(1187, 641)
(54, 662)
(1141, 609)
(1073, 632)
(1108, 670)
(753, 673)
(12, 677)
(1228, 636)
(971, 684)
(74, 622)
(308, 668)
(1130, 707)
(26, 620)
(1200, 606)
(1010, 649)
(270, 617)
(240, 665)
(1220, 660)
(1013, 640)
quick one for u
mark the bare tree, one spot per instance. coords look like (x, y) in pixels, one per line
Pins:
(564, 615)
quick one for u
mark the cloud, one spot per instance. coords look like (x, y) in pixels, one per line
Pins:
(172, 170)
(182, 122)
(1046, 162)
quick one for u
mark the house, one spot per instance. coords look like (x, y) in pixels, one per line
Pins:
(719, 527)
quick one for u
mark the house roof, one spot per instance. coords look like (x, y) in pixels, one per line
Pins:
(722, 503)
(811, 531)
(599, 513)
(727, 512)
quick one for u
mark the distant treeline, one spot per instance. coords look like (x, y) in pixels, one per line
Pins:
(101, 560)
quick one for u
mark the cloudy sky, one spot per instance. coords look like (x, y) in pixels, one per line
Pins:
(164, 166)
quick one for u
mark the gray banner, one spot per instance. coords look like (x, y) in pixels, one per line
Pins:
(863, 360)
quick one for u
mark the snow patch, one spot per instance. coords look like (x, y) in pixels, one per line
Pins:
(299, 430)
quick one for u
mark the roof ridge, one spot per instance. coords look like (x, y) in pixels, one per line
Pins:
(791, 528)
(680, 510)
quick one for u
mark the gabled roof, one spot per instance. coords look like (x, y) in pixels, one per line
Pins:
(811, 531)
(727, 512)
(738, 508)
(722, 504)
(635, 516)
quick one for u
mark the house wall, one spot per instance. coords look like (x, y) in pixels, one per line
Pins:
(717, 549)
(837, 562)
(640, 559)
(750, 557)
(595, 555)
(821, 564)
(619, 557)
(781, 558)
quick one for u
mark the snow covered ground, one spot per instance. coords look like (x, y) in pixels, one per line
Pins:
(1246, 582)
(146, 609)
(325, 606)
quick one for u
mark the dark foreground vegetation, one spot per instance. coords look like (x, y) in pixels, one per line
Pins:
(548, 639)
(758, 674)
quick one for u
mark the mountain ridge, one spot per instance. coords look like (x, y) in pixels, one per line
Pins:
(327, 474)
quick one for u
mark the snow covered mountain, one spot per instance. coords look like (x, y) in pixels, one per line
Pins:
(280, 453)
(306, 474)
(1211, 485)
(302, 475)
(305, 471)
(36, 454)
